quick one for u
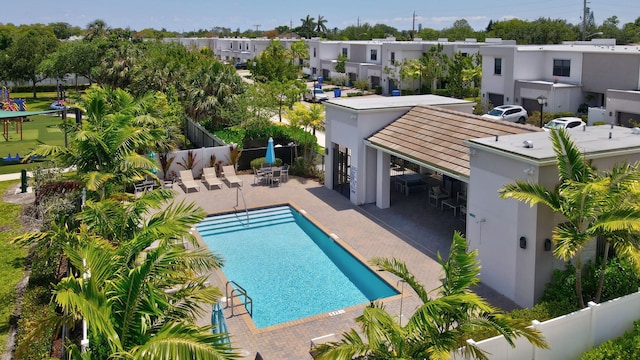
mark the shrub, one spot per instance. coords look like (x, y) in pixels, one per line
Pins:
(35, 308)
(619, 281)
(624, 347)
(356, 93)
(361, 84)
(257, 163)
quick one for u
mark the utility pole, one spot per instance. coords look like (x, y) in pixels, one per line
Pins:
(584, 20)
(257, 27)
(413, 27)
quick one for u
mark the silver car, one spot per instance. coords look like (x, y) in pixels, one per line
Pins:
(512, 113)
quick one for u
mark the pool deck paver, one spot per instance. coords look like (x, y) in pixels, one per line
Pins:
(410, 230)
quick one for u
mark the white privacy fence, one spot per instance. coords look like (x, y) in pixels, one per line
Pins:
(202, 158)
(573, 334)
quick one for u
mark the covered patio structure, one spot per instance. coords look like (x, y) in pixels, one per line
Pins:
(433, 139)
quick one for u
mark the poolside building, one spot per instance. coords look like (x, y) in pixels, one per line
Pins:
(474, 157)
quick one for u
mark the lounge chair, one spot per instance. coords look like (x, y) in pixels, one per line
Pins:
(186, 180)
(210, 178)
(285, 172)
(229, 174)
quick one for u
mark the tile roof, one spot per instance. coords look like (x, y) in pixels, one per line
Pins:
(434, 136)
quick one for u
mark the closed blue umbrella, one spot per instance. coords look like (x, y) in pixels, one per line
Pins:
(271, 154)
(218, 322)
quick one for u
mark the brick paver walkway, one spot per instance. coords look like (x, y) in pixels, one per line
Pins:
(410, 230)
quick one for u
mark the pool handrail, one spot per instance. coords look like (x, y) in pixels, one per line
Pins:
(237, 291)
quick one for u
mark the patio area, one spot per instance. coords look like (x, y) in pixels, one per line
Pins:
(410, 230)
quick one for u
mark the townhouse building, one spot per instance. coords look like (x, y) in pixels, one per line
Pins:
(577, 77)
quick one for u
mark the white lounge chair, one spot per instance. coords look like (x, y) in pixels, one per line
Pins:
(210, 178)
(229, 174)
(187, 181)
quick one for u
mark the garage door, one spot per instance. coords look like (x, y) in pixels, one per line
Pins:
(628, 119)
(531, 105)
(496, 99)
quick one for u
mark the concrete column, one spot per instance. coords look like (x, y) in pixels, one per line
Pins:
(383, 177)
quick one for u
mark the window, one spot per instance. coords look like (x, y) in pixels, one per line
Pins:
(497, 66)
(374, 55)
(314, 52)
(561, 67)
(230, 45)
(393, 58)
(345, 51)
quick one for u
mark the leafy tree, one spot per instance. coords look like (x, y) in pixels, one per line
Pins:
(609, 28)
(594, 204)
(274, 64)
(64, 30)
(28, 49)
(439, 326)
(460, 30)
(300, 51)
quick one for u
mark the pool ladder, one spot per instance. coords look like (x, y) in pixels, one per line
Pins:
(237, 292)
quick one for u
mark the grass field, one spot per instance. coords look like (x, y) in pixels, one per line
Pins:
(12, 261)
(40, 128)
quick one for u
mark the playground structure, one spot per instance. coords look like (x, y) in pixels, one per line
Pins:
(9, 104)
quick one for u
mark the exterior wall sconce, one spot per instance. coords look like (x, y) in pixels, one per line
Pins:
(547, 244)
(523, 242)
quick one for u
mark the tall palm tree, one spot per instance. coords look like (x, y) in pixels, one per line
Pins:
(321, 26)
(593, 203)
(439, 326)
(308, 25)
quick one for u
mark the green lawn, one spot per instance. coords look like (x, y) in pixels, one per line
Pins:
(12, 261)
(40, 128)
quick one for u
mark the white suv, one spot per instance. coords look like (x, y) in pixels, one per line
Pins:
(564, 123)
(512, 113)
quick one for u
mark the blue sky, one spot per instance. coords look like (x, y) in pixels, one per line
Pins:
(189, 15)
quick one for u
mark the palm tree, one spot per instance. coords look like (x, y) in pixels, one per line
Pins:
(210, 88)
(106, 150)
(321, 26)
(308, 25)
(138, 288)
(96, 29)
(594, 204)
(439, 326)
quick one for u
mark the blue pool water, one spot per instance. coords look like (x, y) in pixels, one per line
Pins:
(288, 266)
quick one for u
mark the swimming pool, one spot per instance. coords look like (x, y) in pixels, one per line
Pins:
(288, 266)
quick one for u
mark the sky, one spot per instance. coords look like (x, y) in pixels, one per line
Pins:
(190, 15)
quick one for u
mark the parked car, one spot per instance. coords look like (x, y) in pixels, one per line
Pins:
(58, 105)
(315, 95)
(240, 65)
(564, 123)
(512, 113)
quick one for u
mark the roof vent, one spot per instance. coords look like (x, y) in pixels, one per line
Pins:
(528, 144)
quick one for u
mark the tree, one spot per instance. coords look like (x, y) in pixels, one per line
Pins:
(29, 48)
(136, 284)
(307, 28)
(211, 86)
(274, 64)
(107, 150)
(321, 26)
(439, 326)
(96, 29)
(594, 204)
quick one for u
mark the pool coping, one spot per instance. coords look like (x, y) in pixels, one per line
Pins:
(246, 317)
